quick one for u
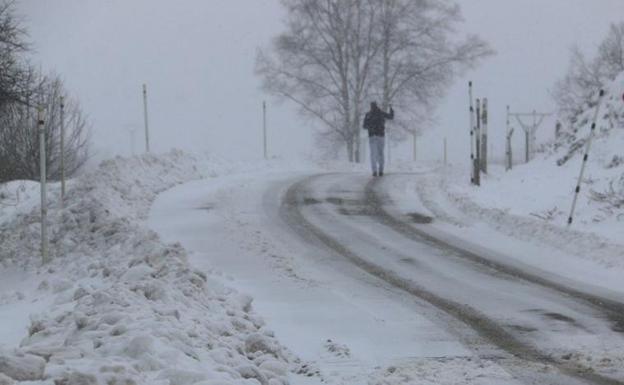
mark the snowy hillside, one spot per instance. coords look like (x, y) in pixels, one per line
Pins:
(532, 202)
(544, 187)
(117, 305)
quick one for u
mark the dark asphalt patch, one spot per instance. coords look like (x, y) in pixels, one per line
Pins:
(420, 218)
(523, 329)
(311, 201)
(561, 318)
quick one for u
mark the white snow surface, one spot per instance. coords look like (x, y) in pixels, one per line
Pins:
(116, 305)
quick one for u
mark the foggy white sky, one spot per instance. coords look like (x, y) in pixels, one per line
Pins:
(197, 58)
(533, 40)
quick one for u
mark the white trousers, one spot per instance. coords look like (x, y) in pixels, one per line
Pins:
(377, 144)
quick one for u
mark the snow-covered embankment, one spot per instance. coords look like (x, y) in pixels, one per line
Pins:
(118, 306)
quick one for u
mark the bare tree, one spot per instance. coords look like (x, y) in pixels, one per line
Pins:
(336, 55)
(12, 44)
(19, 139)
(611, 52)
(21, 90)
(420, 56)
(322, 63)
(573, 93)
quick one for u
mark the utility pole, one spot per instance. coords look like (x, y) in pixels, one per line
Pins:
(147, 143)
(44, 197)
(530, 130)
(264, 130)
(415, 148)
(445, 153)
(62, 150)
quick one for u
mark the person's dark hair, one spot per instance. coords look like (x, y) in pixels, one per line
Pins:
(374, 106)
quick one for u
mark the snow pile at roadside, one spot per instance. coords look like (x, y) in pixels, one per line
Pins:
(127, 308)
(533, 201)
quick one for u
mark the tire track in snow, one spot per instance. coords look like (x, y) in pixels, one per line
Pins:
(613, 310)
(295, 198)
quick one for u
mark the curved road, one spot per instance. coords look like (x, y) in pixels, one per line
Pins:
(365, 293)
(546, 332)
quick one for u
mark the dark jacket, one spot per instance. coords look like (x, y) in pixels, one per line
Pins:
(375, 121)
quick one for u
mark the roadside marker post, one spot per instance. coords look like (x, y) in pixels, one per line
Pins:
(484, 137)
(62, 150)
(585, 158)
(145, 118)
(43, 176)
(473, 171)
(477, 161)
(264, 130)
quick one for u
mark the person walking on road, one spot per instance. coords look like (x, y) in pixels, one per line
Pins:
(375, 123)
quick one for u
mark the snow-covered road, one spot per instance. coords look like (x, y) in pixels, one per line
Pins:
(351, 287)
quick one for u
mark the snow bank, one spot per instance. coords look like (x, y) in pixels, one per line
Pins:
(529, 209)
(127, 308)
